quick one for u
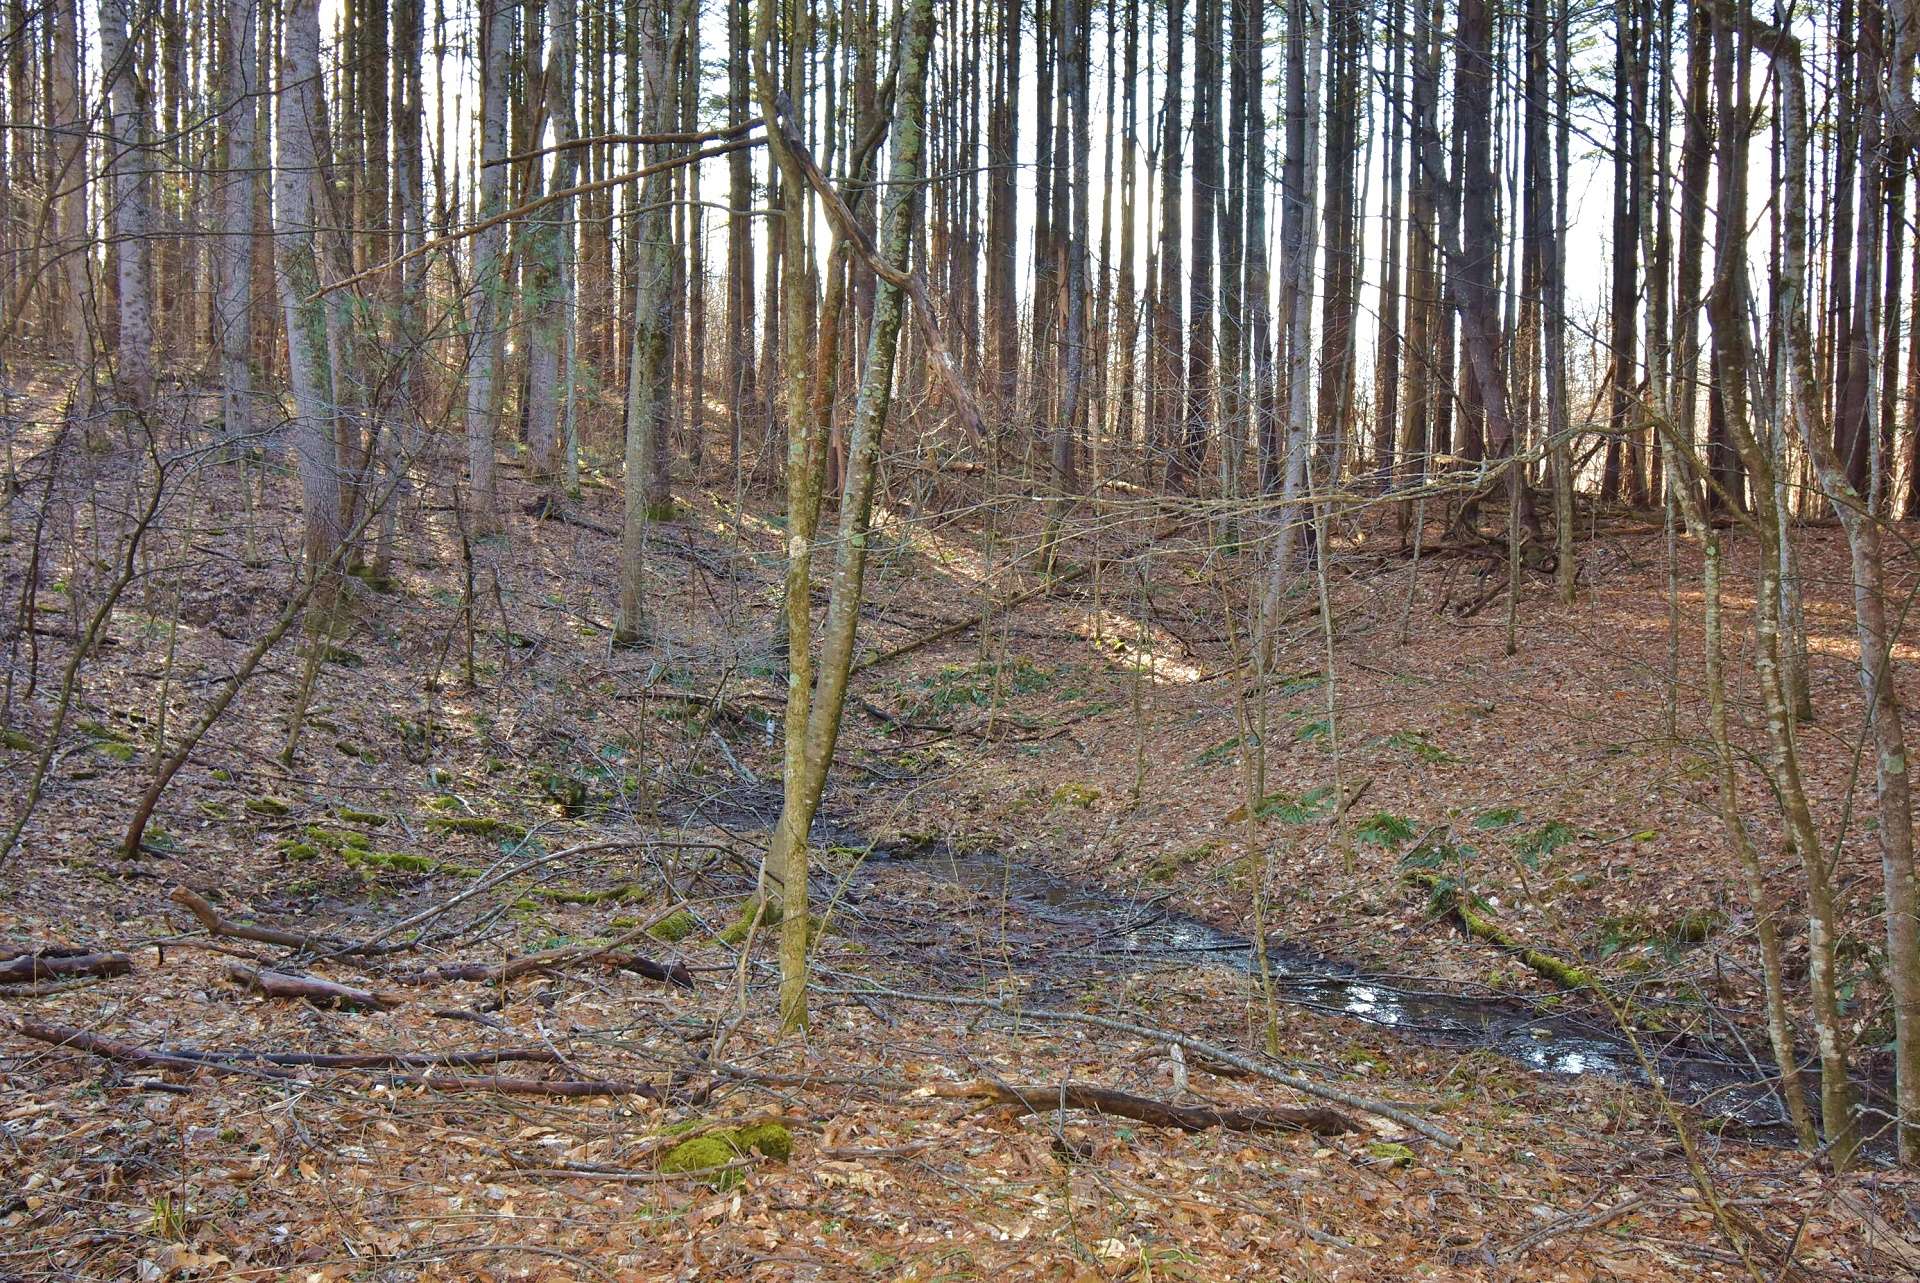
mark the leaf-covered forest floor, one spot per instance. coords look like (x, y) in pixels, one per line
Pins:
(1099, 732)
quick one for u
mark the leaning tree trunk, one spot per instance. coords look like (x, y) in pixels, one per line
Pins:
(815, 700)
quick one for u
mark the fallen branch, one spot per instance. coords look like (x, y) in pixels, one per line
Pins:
(1155, 1113)
(127, 1053)
(1575, 1225)
(1449, 899)
(321, 993)
(973, 621)
(270, 1065)
(1213, 1051)
(549, 959)
(55, 962)
(381, 1059)
(295, 940)
(534, 1086)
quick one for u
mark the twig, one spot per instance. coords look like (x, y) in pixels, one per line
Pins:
(1575, 1225)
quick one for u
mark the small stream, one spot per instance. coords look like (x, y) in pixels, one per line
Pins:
(971, 914)
(1064, 934)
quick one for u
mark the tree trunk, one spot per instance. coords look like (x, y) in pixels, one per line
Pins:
(233, 251)
(485, 332)
(549, 248)
(650, 369)
(131, 221)
(814, 704)
(296, 125)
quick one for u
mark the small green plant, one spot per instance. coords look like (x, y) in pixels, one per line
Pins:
(1433, 855)
(168, 1219)
(1225, 750)
(1544, 841)
(1417, 743)
(1315, 730)
(1498, 818)
(1383, 829)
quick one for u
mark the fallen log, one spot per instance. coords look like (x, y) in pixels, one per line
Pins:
(321, 993)
(673, 973)
(1156, 1113)
(55, 962)
(1186, 1042)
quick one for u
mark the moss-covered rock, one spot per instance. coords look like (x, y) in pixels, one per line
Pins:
(271, 807)
(712, 1151)
(1392, 1153)
(366, 819)
(1076, 794)
(16, 741)
(773, 1140)
(703, 1154)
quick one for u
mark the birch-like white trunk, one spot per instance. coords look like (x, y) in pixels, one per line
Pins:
(75, 236)
(129, 215)
(233, 246)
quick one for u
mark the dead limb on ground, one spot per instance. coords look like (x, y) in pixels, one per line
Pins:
(279, 1066)
(1155, 1113)
(325, 993)
(321, 993)
(1212, 1051)
(56, 962)
(300, 942)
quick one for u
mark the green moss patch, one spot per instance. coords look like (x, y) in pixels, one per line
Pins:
(710, 1153)
(673, 928)
(404, 862)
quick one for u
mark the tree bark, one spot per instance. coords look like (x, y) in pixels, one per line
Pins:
(309, 366)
